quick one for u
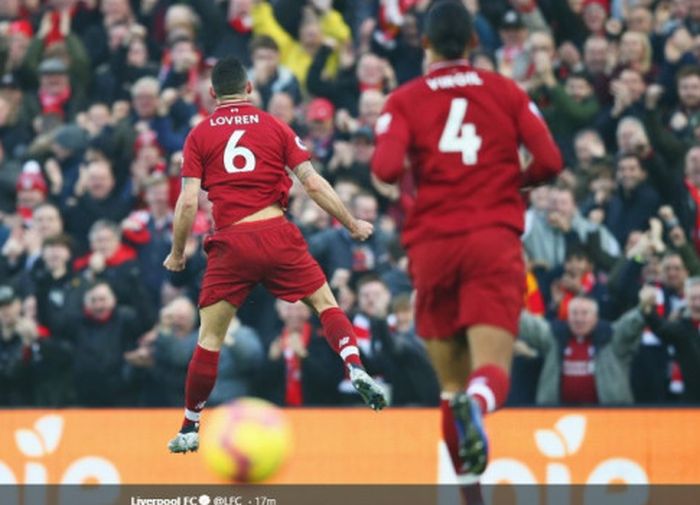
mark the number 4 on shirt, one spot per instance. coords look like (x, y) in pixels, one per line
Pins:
(458, 137)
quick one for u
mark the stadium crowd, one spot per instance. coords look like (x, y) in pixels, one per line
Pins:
(97, 97)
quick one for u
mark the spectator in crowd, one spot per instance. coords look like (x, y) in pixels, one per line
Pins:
(17, 331)
(94, 198)
(586, 359)
(240, 363)
(149, 231)
(334, 248)
(413, 380)
(100, 336)
(317, 23)
(682, 335)
(549, 234)
(111, 261)
(299, 368)
(267, 75)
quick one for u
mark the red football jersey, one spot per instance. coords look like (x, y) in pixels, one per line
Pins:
(241, 153)
(461, 129)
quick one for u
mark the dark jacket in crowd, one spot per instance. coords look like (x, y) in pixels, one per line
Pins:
(14, 373)
(101, 376)
(627, 212)
(684, 336)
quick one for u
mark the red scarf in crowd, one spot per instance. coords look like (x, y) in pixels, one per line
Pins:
(293, 394)
(53, 104)
(123, 254)
(695, 195)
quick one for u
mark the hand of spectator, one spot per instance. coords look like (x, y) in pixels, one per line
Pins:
(191, 246)
(46, 25)
(520, 348)
(559, 221)
(640, 144)
(167, 98)
(361, 230)
(389, 75)
(656, 230)
(345, 122)
(26, 328)
(653, 95)
(64, 22)
(647, 299)
(596, 216)
(667, 215)
(322, 6)
(678, 121)
(613, 27)
(13, 248)
(130, 223)
(343, 155)
(622, 97)
(677, 237)
(472, 6)
(296, 344)
(340, 278)
(677, 44)
(141, 357)
(97, 262)
(275, 351)
(54, 174)
(174, 263)
(641, 249)
(32, 240)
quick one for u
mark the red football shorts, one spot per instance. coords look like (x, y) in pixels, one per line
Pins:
(271, 251)
(477, 278)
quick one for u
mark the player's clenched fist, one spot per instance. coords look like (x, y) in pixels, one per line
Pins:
(174, 263)
(362, 230)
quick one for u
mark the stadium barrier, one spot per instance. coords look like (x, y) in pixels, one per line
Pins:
(397, 446)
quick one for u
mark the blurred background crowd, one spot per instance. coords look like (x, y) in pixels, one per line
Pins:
(97, 97)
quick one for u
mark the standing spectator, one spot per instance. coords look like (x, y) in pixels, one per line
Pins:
(267, 75)
(586, 360)
(115, 263)
(240, 362)
(150, 232)
(100, 336)
(94, 197)
(16, 331)
(683, 335)
(414, 381)
(300, 368)
(298, 54)
(634, 202)
(334, 248)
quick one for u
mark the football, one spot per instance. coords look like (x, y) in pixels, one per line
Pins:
(247, 440)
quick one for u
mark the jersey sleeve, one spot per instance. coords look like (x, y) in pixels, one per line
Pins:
(535, 135)
(295, 152)
(192, 165)
(392, 140)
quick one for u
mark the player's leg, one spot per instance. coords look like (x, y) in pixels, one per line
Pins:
(202, 371)
(340, 336)
(451, 359)
(491, 296)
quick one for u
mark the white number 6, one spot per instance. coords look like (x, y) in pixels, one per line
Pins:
(234, 151)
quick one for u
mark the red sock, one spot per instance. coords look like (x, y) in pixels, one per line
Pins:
(201, 376)
(340, 336)
(449, 433)
(489, 386)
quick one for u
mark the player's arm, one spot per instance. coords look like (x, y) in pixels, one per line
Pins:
(534, 134)
(185, 212)
(325, 196)
(392, 134)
